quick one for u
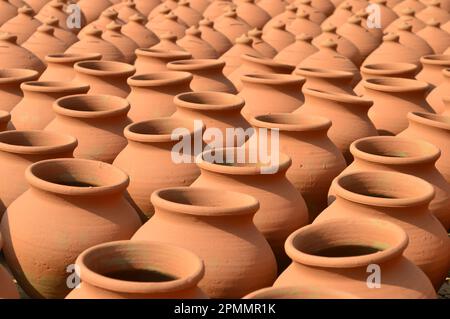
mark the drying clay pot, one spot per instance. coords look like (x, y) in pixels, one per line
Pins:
(10, 81)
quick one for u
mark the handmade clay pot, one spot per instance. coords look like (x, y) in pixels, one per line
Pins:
(155, 60)
(10, 81)
(324, 6)
(171, 23)
(407, 15)
(90, 194)
(347, 112)
(8, 289)
(158, 272)
(433, 10)
(136, 30)
(272, 7)
(198, 5)
(22, 25)
(104, 77)
(191, 216)
(316, 161)
(216, 8)
(295, 53)
(282, 210)
(34, 111)
(403, 200)
(412, 40)
(19, 149)
(438, 39)
(407, 95)
(92, 9)
(252, 13)
(302, 24)
(415, 5)
(217, 40)
(5, 117)
(327, 80)
(230, 25)
(336, 254)
(60, 66)
(193, 43)
(126, 9)
(232, 58)
(434, 129)
(68, 37)
(208, 74)
(107, 16)
(432, 67)
(271, 93)
(148, 159)
(168, 42)
(315, 15)
(298, 292)
(264, 48)
(14, 56)
(152, 94)
(285, 17)
(186, 13)
(43, 42)
(126, 45)
(340, 16)
(278, 37)
(84, 116)
(438, 97)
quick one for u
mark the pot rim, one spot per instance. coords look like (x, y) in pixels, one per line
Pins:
(268, 61)
(22, 75)
(273, 79)
(324, 73)
(91, 277)
(226, 101)
(72, 57)
(316, 123)
(120, 69)
(242, 204)
(195, 65)
(436, 59)
(395, 84)
(430, 119)
(163, 54)
(54, 87)
(388, 68)
(337, 96)
(157, 79)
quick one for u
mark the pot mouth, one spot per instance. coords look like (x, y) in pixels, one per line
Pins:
(209, 101)
(343, 243)
(384, 189)
(76, 177)
(388, 68)
(430, 119)
(324, 73)
(237, 161)
(164, 129)
(436, 59)
(104, 68)
(196, 64)
(339, 97)
(16, 75)
(54, 87)
(91, 106)
(36, 142)
(393, 150)
(164, 54)
(269, 62)
(291, 122)
(170, 78)
(273, 79)
(299, 292)
(394, 84)
(5, 116)
(140, 267)
(72, 57)
(200, 201)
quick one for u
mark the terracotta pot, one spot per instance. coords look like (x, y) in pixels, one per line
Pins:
(264, 48)
(193, 43)
(252, 13)
(5, 117)
(272, 7)
(56, 185)
(34, 111)
(232, 58)
(433, 10)
(324, 6)
(340, 16)
(104, 77)
(295, 53)
(58, 9)
(216, 8)
(136, 30)
(171, 23)
(92, 9)
(154, 60)
(85, 116)
(302, 24)
(386, 70)
(10, 81)
(218, 111)
(315, 15)
(217, 40)
(22, 25)
(432, 67)
(208, 74)
(198, 5)
(64, 35)
(316, 161)
(8, 11)
(327, 80)
(190, 216)
(186, 13)
(434, 129)
(159, 13)
(403, 200)
(271, 93)
(415, 5)
(278, 37)
(44, 42)
(148, 271)
(299, 292)
(282, 210)
(230, 25)
(168, 43)
(126, 9)
(60, 66)
(357, 243)
(19, 149)
(107, 16)
(14, 56)
(152, 94)
(407, 95)
(347, 112)
(285, 17)
(8, 288)
(438, 39)
(126, 45)
(411, 40)
(257, 65)
(407, 15)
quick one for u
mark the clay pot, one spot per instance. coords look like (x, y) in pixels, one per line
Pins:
(414, 5)
(198, 5)
(191, 216)
(408, 156)
(65, 36)
(386, 70)
(136, 30)
(58, 9)
(104, 77)
(152, 94)
(271, 93)
(158, 272)
(433, 10)
(232, 58)
(315, 15)
(295, 53)
(324, 6)
(298, 292)
(188, 15)
(272, 7)
(257, 65)
(407, 15)
(302, 24)
(438, 97)
(316, 161)
(403, 200)
(219, 112)
(60, 66)
(230, 25)
(434, 129)
(432, 67)
(8, 11)
(34, 111)
(208, 74)
(92, 42)
(8, 288)
(90, 194)
(107, 16)
(168, 43)
(194, 44)
(264, 48)
(407, 95)
(347, 112)
(327, 80)
(216, 8)
(340, 16)
(22, 25)
(278, 37)
(14, 56)
(159, 13)
(438, 39)
(126, 45)
(217, 40)
(285, 17)
(155, 60)
(85, 116)
(126, 10)
(252, 13)
(20, 149)
(92, 9)
(148, 159)
(357, 243)
(282, 210)
(170, 23)
(411, 40)
(10, 81)
(43, 42)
